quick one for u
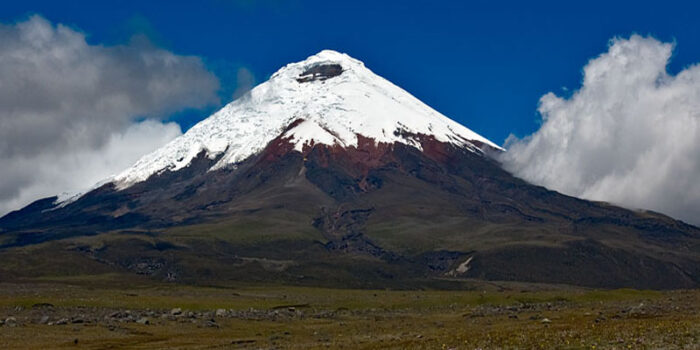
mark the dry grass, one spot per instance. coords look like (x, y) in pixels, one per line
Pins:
(353, 319)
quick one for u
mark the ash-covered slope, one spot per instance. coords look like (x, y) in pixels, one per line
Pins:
(330, 175)
(332, 98)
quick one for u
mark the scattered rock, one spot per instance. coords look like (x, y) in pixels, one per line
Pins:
(42, 305)
(546, 321)
(220, 313)
(44, 320)
(143, 321)
(176, 311)
(61, 322)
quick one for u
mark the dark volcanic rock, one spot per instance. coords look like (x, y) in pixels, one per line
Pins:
(320, 72)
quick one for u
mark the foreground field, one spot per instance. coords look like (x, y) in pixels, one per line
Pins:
(104, 315)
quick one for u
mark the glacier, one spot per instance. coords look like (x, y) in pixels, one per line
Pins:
(332, 110)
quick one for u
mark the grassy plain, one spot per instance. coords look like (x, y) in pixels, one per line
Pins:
(104, 313)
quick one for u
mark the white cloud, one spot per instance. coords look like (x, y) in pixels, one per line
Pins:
(76, 170)
(630, 135)
(68, 108)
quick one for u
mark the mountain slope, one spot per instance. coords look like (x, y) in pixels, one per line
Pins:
(329, 175)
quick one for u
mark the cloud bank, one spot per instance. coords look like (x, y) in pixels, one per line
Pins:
(630, 135)
(72, 114)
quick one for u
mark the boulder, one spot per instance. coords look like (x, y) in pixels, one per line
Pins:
(11, 322)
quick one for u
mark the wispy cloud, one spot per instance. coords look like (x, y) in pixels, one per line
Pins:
(245, 81)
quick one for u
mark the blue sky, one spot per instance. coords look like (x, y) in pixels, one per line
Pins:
(482, 63)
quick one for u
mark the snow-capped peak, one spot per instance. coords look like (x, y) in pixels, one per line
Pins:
(334, 95)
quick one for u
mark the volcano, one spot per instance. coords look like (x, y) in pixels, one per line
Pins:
(328, 174)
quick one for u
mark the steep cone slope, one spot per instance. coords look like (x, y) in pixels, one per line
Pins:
(329, 175)
(334, 100)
